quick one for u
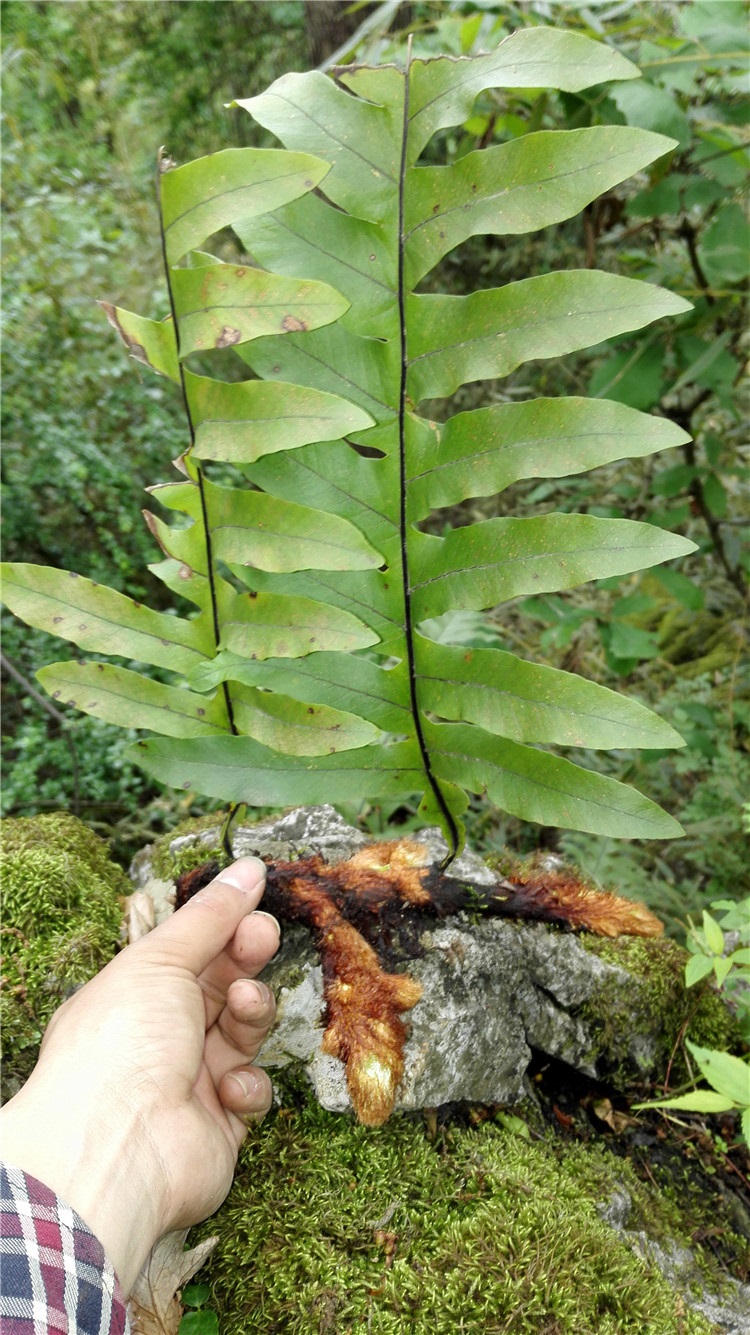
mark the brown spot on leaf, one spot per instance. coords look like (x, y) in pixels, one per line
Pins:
(292, 325)
(135, 349)
(240, 273)
(56, 621)
(253, 593)
(56, 695)
(200, 712)
(228, 337)
(436, 208)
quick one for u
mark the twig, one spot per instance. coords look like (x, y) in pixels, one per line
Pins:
(59, 718)
(683, 417)
(680, 1036)
(688, 233)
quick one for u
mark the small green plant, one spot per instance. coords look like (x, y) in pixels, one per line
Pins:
(198, 1319)
(308, 668)
(707, 944)
(728, 1076)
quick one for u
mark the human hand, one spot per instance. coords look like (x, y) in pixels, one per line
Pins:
(138, 1105)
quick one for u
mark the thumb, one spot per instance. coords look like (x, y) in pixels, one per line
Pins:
(203, 927)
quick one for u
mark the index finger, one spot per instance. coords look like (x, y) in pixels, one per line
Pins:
(202, 928)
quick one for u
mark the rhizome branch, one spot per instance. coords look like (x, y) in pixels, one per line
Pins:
(353, 908)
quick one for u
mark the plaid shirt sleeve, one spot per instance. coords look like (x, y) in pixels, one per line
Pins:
(54, 1276)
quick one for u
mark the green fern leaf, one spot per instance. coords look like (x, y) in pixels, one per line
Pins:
(101, 620)
(314, 552)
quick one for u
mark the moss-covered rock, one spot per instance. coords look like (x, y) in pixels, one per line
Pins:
(334, 1228)
(660, 1007)
(186, 846)
(493, 992)
(61, 921)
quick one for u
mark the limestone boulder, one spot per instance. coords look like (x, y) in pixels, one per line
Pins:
(494, 992)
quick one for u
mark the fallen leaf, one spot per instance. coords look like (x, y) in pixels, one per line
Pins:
(618, 1121)
(154, 1307)
(141, 915)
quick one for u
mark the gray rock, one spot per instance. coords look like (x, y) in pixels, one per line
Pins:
(493, 990)
(729, 1311)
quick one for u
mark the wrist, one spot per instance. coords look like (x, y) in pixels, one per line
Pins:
(97, 1158)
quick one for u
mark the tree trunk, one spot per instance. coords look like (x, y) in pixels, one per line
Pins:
(327, 25)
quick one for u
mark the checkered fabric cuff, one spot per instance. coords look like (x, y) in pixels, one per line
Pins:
(54, 1276)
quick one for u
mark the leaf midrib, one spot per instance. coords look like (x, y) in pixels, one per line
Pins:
(527, 324)
(549, 706)
(550, 787)
(236, 189)
(454, 838)
(506, 193)
(527, 557)
(520, 445)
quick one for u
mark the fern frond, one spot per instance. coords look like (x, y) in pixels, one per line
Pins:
(315, 552)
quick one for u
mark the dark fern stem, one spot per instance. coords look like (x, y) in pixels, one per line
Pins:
(450, 823)
(162, 165)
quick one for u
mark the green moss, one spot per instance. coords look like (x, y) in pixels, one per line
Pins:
(168, 865)
(61, 922)
(488, 1232)
(659, 964)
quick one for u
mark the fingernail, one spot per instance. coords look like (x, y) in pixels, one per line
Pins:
(263, 993)
(261, 913)
(255, 867)
(241, 1083)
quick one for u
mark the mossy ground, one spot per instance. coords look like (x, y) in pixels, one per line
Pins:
(332, 1228)
(61, 921)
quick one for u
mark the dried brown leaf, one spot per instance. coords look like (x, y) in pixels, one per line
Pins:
(141, 915)
(154, 1306)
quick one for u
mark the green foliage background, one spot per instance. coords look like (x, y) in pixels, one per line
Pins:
(92, 89)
